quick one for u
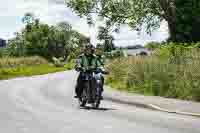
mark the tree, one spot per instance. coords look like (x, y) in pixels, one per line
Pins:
(40, 39)
(178, 14)
(16, 46)
(48, 41)
(60, 40)
(28, 20)
(104, 34)
(64, 26)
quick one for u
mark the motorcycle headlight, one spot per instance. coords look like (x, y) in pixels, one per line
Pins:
(98, 76)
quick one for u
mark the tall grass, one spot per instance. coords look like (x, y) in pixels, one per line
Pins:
(167, 74)
(10, 62)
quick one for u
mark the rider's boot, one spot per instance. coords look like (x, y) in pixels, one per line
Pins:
(76, 96)
(101, 97)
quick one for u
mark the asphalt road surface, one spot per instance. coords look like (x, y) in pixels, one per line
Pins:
(45, 104)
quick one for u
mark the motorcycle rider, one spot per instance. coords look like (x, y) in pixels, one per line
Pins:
(85, 62)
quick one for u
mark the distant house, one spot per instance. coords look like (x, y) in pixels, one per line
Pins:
(2, 42)
(135, 47)
(140, 51)
(136, 50)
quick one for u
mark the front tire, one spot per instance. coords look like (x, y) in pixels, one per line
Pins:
(83, 99)
(82, 103)
(97, 104)
(98, 97)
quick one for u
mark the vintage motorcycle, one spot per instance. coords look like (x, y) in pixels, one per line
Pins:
(92, 88)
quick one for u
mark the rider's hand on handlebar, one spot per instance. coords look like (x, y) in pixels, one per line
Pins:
(79, 69)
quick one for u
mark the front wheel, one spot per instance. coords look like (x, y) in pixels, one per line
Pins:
(82, 103)
(83, 99)
(98, 96)
(97, 103)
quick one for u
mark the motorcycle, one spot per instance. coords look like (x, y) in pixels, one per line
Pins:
(92, 88)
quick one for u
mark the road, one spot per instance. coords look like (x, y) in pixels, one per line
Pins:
(45, 104)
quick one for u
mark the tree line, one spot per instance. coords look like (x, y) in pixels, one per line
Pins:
(38, 38)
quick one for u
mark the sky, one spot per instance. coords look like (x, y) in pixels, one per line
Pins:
(54, 11)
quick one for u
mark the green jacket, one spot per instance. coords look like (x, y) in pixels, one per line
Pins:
(87, 62)
(100, 60)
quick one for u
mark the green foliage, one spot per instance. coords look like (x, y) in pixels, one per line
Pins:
(153, 45)
(187, 20)
(58, 62)
(116, 12)
(40, 39)
(2, 52)
(70, 65)
(182, 15)
(170, 72)
(16, 46)
(105, 35)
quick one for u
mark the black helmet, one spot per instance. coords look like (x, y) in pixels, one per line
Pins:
(89, 46)
(88, 40)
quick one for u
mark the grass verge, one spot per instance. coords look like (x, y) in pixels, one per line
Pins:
(7, 73)
(28, 66)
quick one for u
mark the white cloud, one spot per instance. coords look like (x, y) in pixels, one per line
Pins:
(54, 11)
(129, 37)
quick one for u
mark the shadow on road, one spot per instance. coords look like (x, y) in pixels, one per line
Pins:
(98, 109)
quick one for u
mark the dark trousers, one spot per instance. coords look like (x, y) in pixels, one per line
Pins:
(102, 80)
(79, 85)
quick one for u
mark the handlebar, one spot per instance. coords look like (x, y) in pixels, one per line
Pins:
(98, 70)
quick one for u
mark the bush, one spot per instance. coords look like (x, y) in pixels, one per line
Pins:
(58, 62)
(70, 65)
(2, 52)
(153, 45)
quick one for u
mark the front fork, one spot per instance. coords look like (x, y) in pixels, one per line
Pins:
(89, 91)
(99, 88)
